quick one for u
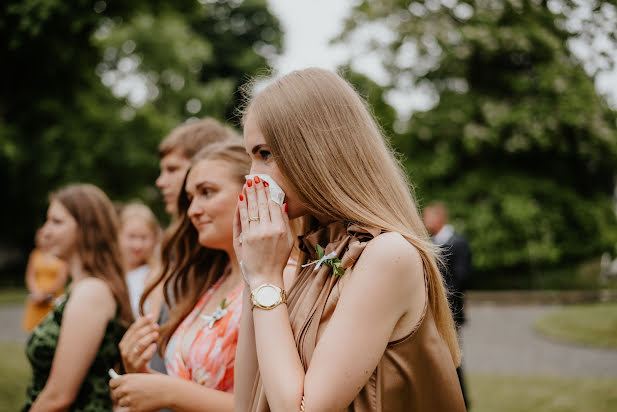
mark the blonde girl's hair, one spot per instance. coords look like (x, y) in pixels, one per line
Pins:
(332, 153)
(97, 240)
(139, 210)
(190, 269)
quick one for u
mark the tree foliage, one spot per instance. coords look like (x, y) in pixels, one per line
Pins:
(519, 143)
(90, 88)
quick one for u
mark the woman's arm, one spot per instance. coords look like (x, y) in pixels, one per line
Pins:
(376, 298)
(87, 313)
(149, 392)
(36, 294)
(245, 368)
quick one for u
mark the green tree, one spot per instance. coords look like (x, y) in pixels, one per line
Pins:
(519, 144)
(90, 88)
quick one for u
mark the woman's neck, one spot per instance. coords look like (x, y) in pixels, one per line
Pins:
(77, 269)
(132, 267)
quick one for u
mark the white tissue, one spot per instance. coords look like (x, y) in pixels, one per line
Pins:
(113, 374)
(276, 193)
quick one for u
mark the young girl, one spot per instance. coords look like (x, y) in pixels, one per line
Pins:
(139, 234)
(202, 277)
(365, 324)
(72, 350)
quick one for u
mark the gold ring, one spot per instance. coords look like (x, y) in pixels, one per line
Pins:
(254, 219)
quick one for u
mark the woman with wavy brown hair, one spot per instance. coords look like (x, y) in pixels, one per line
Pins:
(73, 348)
(364, 325)
(202, 277)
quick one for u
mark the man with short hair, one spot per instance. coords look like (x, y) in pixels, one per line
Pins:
(176, 151)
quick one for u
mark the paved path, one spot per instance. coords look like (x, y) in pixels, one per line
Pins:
(10, 323)
(496, 339)
(501, 339)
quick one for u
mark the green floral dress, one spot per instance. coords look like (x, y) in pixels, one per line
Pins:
(93, 395)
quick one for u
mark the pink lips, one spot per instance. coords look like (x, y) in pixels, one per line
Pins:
(199, 225)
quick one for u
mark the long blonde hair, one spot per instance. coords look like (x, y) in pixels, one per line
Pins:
(190, 269)
(333, 155)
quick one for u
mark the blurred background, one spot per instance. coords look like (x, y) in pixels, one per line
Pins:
(505, 110)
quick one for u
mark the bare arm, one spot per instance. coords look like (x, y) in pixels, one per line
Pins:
(365, 320)
(149, 392)
(246, 356)
(81, 335)
(33, 288)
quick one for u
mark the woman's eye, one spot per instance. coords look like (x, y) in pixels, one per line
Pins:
(265, 154)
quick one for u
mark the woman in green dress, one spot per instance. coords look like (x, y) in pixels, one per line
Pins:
(73, 348)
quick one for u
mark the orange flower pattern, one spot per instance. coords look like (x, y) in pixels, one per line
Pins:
(211, 354)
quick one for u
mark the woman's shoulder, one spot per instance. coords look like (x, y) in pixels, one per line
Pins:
(390, 261)
(93, 292)
(390, 250)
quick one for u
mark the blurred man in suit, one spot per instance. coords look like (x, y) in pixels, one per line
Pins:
(456, 266)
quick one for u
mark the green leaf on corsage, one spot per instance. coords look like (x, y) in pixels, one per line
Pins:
(328, 260)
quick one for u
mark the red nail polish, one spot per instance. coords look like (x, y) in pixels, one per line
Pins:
(257, 179)
(241, 197)
(249, 183)
(285, 207)
(266, 184)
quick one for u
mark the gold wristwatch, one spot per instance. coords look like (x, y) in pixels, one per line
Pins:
(267, 297)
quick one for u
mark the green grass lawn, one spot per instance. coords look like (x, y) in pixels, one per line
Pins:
(530, 394)
(594, 324)
(10, 296)
(14, 376)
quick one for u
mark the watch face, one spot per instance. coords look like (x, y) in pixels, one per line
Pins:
(267, 296)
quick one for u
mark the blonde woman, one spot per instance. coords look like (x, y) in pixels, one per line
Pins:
(364, 325)
(175, 152)
(139, 235)
(201, 275)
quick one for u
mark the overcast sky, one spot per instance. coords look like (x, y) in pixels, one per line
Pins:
(309, 26)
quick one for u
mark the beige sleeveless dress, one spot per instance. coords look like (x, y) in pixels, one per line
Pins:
(415, 373)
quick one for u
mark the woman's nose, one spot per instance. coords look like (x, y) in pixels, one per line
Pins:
(256, 169)
(194, 209)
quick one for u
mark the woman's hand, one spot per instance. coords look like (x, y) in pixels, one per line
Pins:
(38, 297)
(139, 344)
(267, 238)
(137, 392)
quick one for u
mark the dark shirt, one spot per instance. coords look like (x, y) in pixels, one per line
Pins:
(456, 256)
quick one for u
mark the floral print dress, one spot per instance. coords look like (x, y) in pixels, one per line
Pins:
(209, 358)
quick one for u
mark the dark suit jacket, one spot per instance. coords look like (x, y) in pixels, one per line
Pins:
(457, 258)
